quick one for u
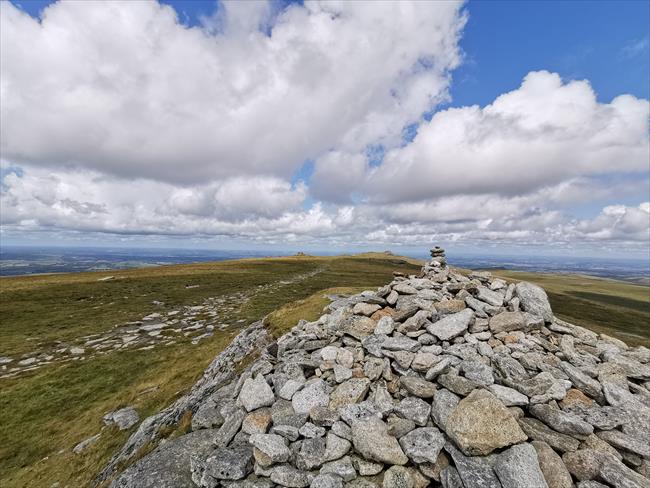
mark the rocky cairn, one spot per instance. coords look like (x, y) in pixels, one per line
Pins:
(437, 379)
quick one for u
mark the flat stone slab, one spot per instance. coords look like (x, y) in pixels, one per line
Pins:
(168, 466)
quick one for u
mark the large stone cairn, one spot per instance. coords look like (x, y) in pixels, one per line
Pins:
(440, 379)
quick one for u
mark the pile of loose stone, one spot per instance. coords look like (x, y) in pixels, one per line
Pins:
(443, 378)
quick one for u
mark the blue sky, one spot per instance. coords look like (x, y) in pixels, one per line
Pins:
(309, 186)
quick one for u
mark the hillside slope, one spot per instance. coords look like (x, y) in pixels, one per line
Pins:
(48, 410)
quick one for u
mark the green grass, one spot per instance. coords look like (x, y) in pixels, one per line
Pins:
(55, 407)
(617, 308)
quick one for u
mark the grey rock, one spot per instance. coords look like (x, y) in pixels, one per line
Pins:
(324, 416)
(290, 387)
(581, 381)
(596, 443)
(407, 310)
(314, 394)
(230, 427)
(416, 322)
(225, 463)
(207, 416)
(509, 396)
(518, 466)
(327, 481)
(287, 475)
(385, 325)
(452, 325)
(561, 421)
(400, 343)
(423, 445)
(359, 411)
(626, 442)
(490, 297)
(366, 309)
(512, 321)
(371, 439)
(351, 391)
(249, 483)
(509, 368)
(256, 393)
(458, 384)
(475, 471)
(366, 468)
(282, 413)
(450, 478)
(444, 402)
(342, 430)
(398, 426)
(405, 289)
(536, 430)
(418, 387)
(336, 447)
(269, 449)
(553, 469)
(310, 430)
(287, 431)
(534, 300)
(124, 418)
(341, 373)
(392, 297)
(341, 467)
(373, 367)
(477, 372)
(606, 418)
(415, 409)
(398, 477)
(438, 368)
(168, 466)
(312, 453)
(588, 464)
(423, 361)
(481, 423)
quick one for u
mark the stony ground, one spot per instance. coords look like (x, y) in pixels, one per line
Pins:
(436, 379)
(196, 322)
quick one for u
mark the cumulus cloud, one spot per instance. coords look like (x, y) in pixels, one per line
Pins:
(86, 201)
(540, 134)
(118, 119)
(124, 88)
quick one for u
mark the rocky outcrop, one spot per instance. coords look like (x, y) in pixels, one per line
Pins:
(440, 378)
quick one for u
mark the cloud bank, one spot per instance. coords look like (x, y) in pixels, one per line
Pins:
(289, 127)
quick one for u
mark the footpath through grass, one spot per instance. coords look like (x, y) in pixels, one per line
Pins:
(45, 413)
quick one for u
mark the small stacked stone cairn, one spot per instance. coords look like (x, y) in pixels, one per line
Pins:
(444, 379)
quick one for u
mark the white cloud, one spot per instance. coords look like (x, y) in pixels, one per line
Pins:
(85, 201)
(124, 88)
(117, 119)
(541, 134)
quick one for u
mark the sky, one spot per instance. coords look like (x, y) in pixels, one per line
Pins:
(497, 127)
